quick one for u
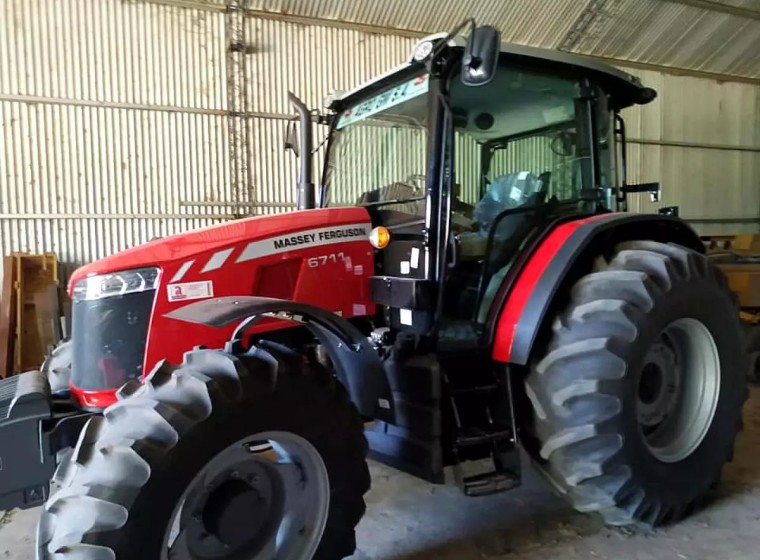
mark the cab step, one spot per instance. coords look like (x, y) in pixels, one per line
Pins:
(484, 427)
(475, 390)
(485, 484)
(479, 436)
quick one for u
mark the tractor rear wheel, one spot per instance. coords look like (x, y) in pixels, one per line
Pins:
(638, 397)
(252, 457)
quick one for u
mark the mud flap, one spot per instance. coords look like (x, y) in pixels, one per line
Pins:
(26, 460)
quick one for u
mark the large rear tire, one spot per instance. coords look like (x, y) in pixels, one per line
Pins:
(638, 397)
(224, 457)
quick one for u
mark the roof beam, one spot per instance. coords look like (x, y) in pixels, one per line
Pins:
(713, 6)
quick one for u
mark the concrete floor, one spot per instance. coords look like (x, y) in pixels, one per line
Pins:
(411, 520)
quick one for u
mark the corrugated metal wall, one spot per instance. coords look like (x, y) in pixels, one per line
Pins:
(311, 61)
(701, 139)
(111, 114)
(115, 118)
(116, 128)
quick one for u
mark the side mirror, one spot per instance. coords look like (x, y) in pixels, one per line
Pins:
(481, 56)
(291, 138)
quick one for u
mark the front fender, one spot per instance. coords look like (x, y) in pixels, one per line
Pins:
(358, 366)
(560, 258)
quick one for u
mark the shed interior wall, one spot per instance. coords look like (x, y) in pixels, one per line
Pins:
(115, 121)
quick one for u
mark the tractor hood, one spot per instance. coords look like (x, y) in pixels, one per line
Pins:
(237, 235)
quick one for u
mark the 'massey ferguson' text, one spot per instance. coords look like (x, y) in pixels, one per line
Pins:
(306, 239)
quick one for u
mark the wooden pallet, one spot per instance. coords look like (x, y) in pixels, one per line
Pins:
(8, 317)
(30, 311)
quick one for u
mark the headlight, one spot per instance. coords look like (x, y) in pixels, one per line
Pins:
(116, 284)
(422, 50)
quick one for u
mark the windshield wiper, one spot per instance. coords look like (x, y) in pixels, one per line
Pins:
(394, 201)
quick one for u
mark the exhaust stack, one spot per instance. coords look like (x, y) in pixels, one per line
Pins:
(306, 192)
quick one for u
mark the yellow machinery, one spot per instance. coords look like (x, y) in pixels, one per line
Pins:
(738, 256)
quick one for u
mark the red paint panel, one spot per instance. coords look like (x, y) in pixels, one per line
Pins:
(176, 249)
(525, 285)
(309, 274)
(333, 276)
(93, 399)
(278, 280)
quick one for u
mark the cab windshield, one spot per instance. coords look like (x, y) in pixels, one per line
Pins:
(379, 148)
(524, 138)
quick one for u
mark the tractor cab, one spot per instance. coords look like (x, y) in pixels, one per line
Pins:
(464, 156)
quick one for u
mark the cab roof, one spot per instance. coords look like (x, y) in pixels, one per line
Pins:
(625, 89)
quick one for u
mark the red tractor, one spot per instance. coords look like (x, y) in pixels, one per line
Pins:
(465, 282)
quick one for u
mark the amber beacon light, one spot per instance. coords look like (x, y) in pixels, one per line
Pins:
(379, 237)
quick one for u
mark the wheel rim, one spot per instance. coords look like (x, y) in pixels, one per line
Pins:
(678, 390)
(266, 496)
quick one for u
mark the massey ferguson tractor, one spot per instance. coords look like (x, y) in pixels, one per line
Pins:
(464, 282)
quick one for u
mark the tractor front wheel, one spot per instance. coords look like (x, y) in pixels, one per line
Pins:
(57, 367)
(638, 397)
(251, 457)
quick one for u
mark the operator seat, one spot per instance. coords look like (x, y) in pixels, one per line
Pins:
(506, 192)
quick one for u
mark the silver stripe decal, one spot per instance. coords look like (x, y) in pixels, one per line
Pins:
(180, 274)
(217, 260)
(304, 239)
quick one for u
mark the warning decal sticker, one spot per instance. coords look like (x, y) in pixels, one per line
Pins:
(190, 290)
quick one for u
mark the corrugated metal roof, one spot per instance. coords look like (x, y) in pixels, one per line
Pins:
(699, 35)
(672, 34)
(535, 22)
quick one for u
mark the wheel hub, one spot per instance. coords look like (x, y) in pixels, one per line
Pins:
(658, 385)
(678, 389)
(256, 500)
(246, 491)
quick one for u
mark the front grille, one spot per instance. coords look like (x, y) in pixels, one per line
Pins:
(109, 337)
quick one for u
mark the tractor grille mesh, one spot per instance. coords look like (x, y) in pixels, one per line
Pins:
(109, 339)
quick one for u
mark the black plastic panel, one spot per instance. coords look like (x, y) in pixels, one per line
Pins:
(404, 293)
(26, 461)
(418, 377)
(413, 443)
(404, 450)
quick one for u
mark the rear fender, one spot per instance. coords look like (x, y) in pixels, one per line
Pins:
(562, 256)
(357, 363)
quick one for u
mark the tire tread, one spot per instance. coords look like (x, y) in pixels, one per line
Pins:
(115, 452)
(571, 387)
